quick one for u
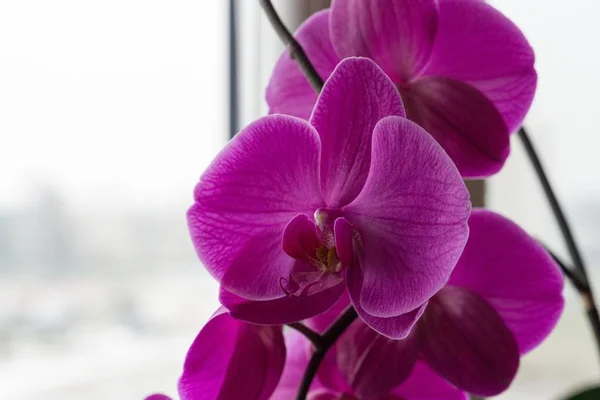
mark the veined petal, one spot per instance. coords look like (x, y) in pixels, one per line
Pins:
(356, 96)
(263, 178)
(463, 121)
(478, 45)
(288, 91)
(398, 35)
(283, 310)
(397, 327)
(412, 218)
(230, 359)
(514, 274)
(465, 340)
(424, 384)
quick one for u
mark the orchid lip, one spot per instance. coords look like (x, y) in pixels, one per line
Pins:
(327, 259)
(313, 243)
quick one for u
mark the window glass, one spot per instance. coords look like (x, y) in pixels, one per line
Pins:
(109, 112)
(562, 124)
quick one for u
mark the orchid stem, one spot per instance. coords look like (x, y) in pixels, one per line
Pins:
(587, 295)
(296, 51)
(584, 290)
(572, 275)
(554, 204)
(327, 340)
(311, 335)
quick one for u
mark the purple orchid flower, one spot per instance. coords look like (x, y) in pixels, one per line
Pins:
(502, 300)
(292, 211)
(465, 72)
(231, 359)
(369, 378)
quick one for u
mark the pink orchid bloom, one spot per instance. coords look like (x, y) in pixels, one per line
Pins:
(291, 212)
(231, 359)
(371, 378)
(502, 300)
(465, 72)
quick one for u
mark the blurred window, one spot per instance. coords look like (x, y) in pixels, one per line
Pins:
(109, 112)
(562, 122)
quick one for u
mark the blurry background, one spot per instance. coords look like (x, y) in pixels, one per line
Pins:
(109, 112)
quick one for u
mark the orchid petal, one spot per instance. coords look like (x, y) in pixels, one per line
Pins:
(398, 35)
(397, 327)
(465, 340)
(230, 359)
(463, 121)
(262, 179)
(157, 396)
(355, 97)
(478, 45)
(424, 384)
(283, 310)
(514, 274)
(360, 354)
(412, 218)
(288, 91)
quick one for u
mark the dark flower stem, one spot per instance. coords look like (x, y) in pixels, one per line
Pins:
(327, 340)
(296, 51)
(311, 335)
(585, 291)
(572, 275)
(578, 276)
